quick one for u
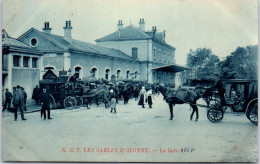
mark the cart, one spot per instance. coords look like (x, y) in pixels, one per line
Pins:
(239, 95)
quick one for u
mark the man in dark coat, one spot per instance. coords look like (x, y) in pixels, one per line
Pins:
(18, 101)
(45, 97)
(36, 94)
(8, 99)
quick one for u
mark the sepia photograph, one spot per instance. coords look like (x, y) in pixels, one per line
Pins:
(130, 81)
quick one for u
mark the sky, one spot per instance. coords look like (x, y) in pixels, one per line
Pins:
(221, 25)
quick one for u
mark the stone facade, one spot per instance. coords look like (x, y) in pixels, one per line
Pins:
(21, 65)
(132, 53)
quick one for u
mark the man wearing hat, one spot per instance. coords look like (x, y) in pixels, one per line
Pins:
(18, 100)
(8, 99)
(45, 97)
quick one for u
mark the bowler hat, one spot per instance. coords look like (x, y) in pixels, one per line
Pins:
(18, 86)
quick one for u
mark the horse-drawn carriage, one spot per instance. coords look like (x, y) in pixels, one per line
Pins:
(238, 95)
(66, 94)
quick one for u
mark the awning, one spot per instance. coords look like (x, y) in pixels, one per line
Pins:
(171, 68)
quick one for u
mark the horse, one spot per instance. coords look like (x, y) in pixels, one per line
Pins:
(180, 96)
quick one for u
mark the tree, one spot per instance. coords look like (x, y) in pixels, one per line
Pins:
(241, 64)
(203, 63)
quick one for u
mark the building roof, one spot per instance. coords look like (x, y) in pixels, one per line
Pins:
(9, 41)
(80, 46)
(128, 33)
(132, 32)
(171, 68)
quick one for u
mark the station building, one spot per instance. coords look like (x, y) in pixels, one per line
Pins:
(156, 57)
(129, 53)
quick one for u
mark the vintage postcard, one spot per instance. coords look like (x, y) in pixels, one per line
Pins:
(130, 81)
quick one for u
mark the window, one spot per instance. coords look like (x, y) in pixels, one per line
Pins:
(93, 72)
(118, 73)
(135, 53)
(34, 62)
(127, 74)
(33, 42)
(25, 61)
(164, 57)
(135, 75)
(159, 53)
(154, 54)
(16, 61)
(77, 72)
(107, 74)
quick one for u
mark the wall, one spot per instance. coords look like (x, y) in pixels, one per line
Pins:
(87, 62)
(170, 54)
(53, 60)
(126, 47)
(27, 78)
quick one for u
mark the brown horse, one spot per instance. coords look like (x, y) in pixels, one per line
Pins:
(180, 96)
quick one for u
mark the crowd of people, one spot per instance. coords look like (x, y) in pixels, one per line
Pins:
(16, 101)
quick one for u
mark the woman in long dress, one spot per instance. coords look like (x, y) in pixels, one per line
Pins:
(142, 96)
(112, 97)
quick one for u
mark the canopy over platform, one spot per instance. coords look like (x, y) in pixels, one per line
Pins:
(171, 68)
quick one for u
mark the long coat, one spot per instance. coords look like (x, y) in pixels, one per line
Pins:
(36, 93)
(142, 95)
(45, 97)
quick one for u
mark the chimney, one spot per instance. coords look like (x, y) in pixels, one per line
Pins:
(154, 29)
(142, 25)
(67, 31)
(46, 28)
(120, 25)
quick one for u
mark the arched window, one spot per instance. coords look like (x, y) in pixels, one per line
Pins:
(93, 73)
(134, 52)
(78, 72)
(136, 73)
(107, 72)
(118, 74)
(127, 74)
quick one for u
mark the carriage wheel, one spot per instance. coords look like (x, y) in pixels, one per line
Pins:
(252, 112)
(215, 115)
(70, 102)
(79, 101)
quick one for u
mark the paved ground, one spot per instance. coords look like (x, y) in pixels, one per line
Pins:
(133, 134)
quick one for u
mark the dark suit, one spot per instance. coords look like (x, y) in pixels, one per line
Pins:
(45, 97)
(19, 104)
(8, 99)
